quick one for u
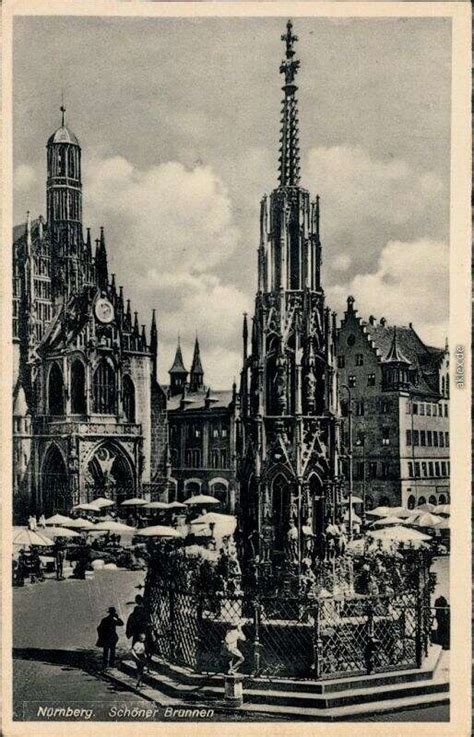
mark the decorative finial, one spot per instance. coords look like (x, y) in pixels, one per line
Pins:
(62, 108)
(289, 160)
(289, 67)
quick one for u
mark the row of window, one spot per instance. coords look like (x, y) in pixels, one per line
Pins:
(374, 468)
(104, 391)
(429, 469)
(428, 408)
(195, 431)
(352, 380)
(217, 458)
(359, 361)
(411, 502)
(383, 407)
(428, 438)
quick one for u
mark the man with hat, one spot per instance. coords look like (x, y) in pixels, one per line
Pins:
(107, 636)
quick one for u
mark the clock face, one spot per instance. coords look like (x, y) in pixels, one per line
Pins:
(104, 310)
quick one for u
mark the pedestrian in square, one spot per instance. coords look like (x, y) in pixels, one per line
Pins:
(59, 559)
(107, 636)
(140, 657)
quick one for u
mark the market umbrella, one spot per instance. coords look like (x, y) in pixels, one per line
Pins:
(29, 537)
(443, 525)
(201, 499)
(156, 505)
(58, 519)
(113, 527)
(213, 518)
(87, 506)
(400, 534)
(380, 511)
(427, 520)
(80, 524)
(400, 512)
(134, 502)
(101, 502)
(442, 509)
(386, 521)
(428, 507)
(158, 531)
(176, 505)
(61, 532)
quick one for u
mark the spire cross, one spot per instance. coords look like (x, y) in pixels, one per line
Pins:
(289, 67)
(63, 110)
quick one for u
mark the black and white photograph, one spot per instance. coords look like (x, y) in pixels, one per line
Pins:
(235, 386)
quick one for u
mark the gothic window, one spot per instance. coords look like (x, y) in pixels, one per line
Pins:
(432, 499)
(56, 391)
(78, 388)
(442, 499)
(421, 501)
(104, 388)
(129, 398)
(411, 502)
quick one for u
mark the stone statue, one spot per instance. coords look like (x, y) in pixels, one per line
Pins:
(292, 543)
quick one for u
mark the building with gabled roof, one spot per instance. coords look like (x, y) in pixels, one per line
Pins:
(399, 392)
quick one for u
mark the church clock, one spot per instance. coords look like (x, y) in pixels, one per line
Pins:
(104, 310)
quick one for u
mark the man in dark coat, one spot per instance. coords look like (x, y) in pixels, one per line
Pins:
(137, 623)
(107, 636)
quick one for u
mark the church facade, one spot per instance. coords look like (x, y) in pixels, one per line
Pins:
(89, 416)
(289, 442)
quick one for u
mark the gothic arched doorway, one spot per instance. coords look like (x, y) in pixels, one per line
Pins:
(78, 388)
(110, 474)
(281, 511)
(56, 493)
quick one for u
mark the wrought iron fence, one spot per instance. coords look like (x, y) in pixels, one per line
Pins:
(290, 637)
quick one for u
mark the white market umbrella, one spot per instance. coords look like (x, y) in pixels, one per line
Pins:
(156, 505)
(427, 507)
(113, 526)
(427, 520)
(87, 507)
(176, 505)
(29, 537)
(80, 524)
(355, 500)
(442, 509)
(201, 499)
(101, 502)
(58, 519)
(213, 518)
(400, 512)
(386, 521)
(134, 502)
(399, 534)
(380, 511)
(158, 531)
(62, 532)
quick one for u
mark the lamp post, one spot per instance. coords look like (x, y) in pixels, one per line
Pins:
(360, 442)
(349, 455)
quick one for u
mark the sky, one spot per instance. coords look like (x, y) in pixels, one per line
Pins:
(178, 120)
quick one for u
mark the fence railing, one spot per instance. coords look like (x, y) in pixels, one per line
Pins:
(289, 637)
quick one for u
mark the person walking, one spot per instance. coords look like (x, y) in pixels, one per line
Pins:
(139, 655)
(107, 637)
(59, 559)
(137, 623)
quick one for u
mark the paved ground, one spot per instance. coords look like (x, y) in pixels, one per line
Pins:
(56, 662)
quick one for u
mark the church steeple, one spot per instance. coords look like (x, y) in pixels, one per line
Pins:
(154, 345)
(178, 373)
(196, 378)
(101, 268)
(289, 168)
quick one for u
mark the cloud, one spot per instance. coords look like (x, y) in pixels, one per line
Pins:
(366, 201)
(410, 284)
(168, 230)
(24, 178)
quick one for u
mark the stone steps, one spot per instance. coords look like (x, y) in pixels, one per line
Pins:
(338, 699)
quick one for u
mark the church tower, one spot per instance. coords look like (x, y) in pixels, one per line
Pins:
(289, 439)
(69, 258)
(196, 376)
(178, 373)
